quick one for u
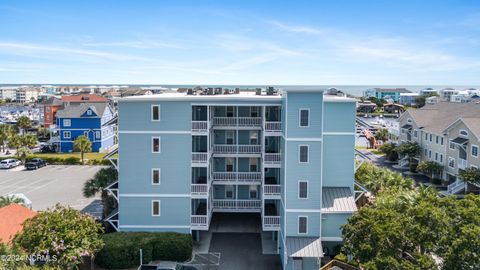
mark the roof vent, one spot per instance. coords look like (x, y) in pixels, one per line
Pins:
(258, 91)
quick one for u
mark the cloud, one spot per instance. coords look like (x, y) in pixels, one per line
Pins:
(136, 44)
(297, 28)
(30, 49)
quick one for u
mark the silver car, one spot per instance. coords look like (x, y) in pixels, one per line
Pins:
(9, 163)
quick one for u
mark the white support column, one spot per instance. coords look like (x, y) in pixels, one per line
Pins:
(262, 130)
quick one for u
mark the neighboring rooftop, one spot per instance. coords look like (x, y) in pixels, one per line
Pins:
(11, 220)
(52, 101)
(84, 98)
(338, 200)
(396, 90)
(76, 111)
(437, 117)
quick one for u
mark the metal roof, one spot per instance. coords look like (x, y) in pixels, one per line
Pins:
(460, 140)
(304, 247)
(338, 200)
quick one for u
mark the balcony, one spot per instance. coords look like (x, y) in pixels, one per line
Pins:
(272, 159)
(237, 176)
(237, 121)
(237, 149)
(271, 223)
(462, 164)
(199, 159)
(199, 126)
(232, 205)
(272, 190)
(273, 126)
(199, 190)
(199, 222)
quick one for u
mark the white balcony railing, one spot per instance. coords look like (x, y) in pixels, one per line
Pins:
(273, 126)
(199, 157)
(237, 121)
(199, 126)
(271, 222)
(272, 158)
(462, 164)
(199, 189)
(456, 187)
(237, 204)
(199, 220)
(272, 189)
(237, 148)
(237, 176)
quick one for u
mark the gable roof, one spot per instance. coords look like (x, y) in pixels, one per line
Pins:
(472, 123)
(435, 118)
(76, 111)
(395, 90)
(84, 98)
(52, 101)
(11, 220)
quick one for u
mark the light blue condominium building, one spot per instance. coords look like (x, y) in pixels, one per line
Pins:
(287, 156)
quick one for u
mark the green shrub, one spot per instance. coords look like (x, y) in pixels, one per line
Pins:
(121, 249)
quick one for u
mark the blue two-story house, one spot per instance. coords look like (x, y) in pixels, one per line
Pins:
(286, 158)
(93, 120)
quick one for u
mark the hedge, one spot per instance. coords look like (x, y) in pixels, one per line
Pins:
(67, 160)
(121, 249)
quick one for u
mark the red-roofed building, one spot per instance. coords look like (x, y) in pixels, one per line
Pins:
(90, 98)
(11, 220)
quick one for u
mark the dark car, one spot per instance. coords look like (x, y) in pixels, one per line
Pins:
(35, 164)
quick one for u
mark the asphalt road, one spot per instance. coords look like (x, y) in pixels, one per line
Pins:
(49, 185)
(240, 251)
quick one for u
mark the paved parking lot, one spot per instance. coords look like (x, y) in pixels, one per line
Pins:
(49, 185)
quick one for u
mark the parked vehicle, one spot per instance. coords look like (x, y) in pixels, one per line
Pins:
(35, 164)
(47, 149)
(166, 266)
(9, 163)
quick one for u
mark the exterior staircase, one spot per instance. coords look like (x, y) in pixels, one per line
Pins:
(456, 187)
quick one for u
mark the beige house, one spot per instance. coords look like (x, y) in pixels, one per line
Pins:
(448, 133)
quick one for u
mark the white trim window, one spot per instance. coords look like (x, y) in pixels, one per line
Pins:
(155, 113)
(302, 224)
(415, 133)
(429, 153)
(303, 153)
(85, 133)
(156, 176)
(474, 151)
(451, 145)
(229, 192)
(441, 141)
(463, 133)
(156, 210)
(67, 135)
(98, 135)
(441, 158)
(303, 189)
(304, 117)
(67, 122)
(252, 192)
(451, 162)
(156, 145)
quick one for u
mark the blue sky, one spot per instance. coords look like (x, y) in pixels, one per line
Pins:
(240, 42)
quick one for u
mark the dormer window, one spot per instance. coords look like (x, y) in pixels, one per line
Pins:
(89, 112)
(463, 133)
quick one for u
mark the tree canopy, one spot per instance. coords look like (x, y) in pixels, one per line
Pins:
(83, 145)
(470, 175)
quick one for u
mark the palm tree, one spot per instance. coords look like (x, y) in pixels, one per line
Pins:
(22, 153)
(83, 145)
(431, 168)
(382, 134)
(24, 123)
(15, 142)
(29, 141)
(7, 200)
(6, 132)
(102, 179)
(409, 150)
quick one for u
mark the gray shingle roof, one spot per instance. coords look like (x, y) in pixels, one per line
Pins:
(338, 200)
(304, 247)
(398, 90)
(435, 118)
(77, 110)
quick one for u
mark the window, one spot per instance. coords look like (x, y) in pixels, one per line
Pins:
(252, 192)
(474, 150)
(155, 113)
(253, 111)
(303, 153)
(155, 145)
(304, 117)
(302, 225)
(452, 145)
(302, 189)
(67, 122)
(67, 135)
(436, 156)
(426, 136)
(97, 134)
(253, 137)
(441, 141)
(451, 162)
(436, 139)
(230, 111)
(431, 137)
(155, 176)
(89, 112)
(228, 192)
(253, 164)
(463, 133)
(85, 133)
(415, 133)
(155, 208)
(441, 157)
(47, 109)
(229, 137)
(425, 151)
(229, 164)
(429, 153)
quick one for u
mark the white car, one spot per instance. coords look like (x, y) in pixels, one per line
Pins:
(9, 163)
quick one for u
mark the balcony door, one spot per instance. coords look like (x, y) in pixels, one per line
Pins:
(254, 112)
(230, 111)
(229, 164)
(229, 192)
(229, 137)
(253, 164)
(253, 137)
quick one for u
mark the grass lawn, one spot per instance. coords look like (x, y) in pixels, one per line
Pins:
(373, 151)
(87, 156)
